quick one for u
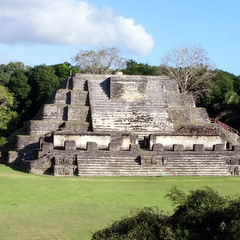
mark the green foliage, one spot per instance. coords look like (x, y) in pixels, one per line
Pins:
(18, 84)
(7, 70)
(43, 82)
(144, 224)
(223, 101)
(203, 214)
(195, 216)
(134, 68)
(176, 196)
(63, 70)
(220, 85)
(7, 115)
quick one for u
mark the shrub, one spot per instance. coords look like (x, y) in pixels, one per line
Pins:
(203, 214)
(145, 224)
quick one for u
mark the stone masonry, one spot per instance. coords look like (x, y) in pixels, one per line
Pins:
(119, 125)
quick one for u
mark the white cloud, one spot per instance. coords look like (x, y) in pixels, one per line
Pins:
(69, 22)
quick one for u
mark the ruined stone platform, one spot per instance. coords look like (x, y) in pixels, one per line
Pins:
(119, 125)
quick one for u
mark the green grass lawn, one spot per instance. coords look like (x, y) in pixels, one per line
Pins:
(46, 207)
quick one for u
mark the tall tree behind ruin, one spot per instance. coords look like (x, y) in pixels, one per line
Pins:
(191, 68)
(7, 115)
(101, 61)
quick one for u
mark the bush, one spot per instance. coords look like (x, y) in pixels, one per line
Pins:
(145, 224)
(203, 214)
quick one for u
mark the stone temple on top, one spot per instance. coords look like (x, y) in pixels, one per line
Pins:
(124, 125)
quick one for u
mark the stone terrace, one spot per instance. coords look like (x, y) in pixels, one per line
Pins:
(95, 125)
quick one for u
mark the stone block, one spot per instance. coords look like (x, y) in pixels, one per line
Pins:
(79, 96)
(218, 147)
(13, 156)
(133, 138)
(116, 142)
(236, 148)
(152, 140)
(60, 170)
(61, 96)
(157, 147)
(64, 159)
(134, 148)
(149, 161)
(113, 146)
(27, 142)
(55, 111)
(92, 146)
(198, 147)
(78, 112)
(178, 147)
(44, 126)
(70, 145)
(46, 146)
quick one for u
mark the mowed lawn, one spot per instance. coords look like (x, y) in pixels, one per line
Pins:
(46, 207)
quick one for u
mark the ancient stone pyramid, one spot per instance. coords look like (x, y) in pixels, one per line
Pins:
(119, 125)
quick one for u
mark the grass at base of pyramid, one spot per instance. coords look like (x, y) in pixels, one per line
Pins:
(46, 207)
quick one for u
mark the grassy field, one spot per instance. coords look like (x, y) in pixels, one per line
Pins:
(45, 207)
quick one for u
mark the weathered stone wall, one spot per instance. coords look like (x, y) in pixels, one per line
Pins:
(180, 100)
(61, 96)
(188, 141)
(169, 85)
(128, 89)
(27, 141)
(81, 140)
(181, 116)
(103, 141)
(41, 127)
(55, 111)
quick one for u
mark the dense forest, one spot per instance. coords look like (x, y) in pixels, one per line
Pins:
(24, 89)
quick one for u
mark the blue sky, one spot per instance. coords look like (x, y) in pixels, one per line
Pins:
(53, 31)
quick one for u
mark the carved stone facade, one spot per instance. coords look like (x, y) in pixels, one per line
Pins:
(117, 125)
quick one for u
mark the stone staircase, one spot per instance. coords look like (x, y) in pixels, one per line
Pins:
(141, 116)
(117, 165)
(174, 164)
(197, 164)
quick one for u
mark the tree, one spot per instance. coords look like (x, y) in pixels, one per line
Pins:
(134, 68)
(101, 61)
(7, 115)
(63, 70)
(202, 214)
(191, 68)
(43, 82)
(18, 84)
(7, 70)
(223, 101)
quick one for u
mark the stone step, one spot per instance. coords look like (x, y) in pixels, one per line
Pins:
(61, 96)
(41, 127)
(55, 111)
(78, 112)
(77, 125)
(197, 174)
